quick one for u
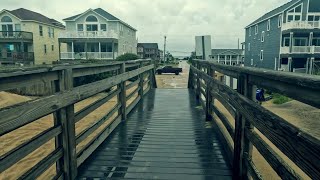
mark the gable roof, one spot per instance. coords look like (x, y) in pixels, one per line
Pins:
(100, 11)
(148, 45)
(27, 15)
(275, 12)
(224, 51)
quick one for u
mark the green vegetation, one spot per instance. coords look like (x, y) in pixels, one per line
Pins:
(127, 57)
(280, 99)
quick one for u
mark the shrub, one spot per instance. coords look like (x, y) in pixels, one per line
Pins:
(280, 99)
(127, 57)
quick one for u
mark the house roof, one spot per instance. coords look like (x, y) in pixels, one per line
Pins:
(225, 51)
(100, 11)
(149, 45)
(275, 12)
(27, 15)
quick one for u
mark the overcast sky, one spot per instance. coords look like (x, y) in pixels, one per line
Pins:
(180, 20)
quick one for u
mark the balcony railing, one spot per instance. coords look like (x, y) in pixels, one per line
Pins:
(89, 34)
(16, 56)
(87, 55)
(301, 25)
(16, 35)
(300, 50)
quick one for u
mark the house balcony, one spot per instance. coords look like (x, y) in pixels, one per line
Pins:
(15, 36)
(16, 57)
(88, 35)
(301, 25)
(300, 50)
(88, 55)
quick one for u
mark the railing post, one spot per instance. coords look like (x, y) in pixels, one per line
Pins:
(141, 82)
(153, 81)
(190, 78)
(67, 139)
(209, 99)
(249, 92)
(123, 95)
(198, 66)
(239, 136)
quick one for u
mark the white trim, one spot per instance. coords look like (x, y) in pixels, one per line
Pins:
(294, 14)
(97, 22)
(284, 40)
(256, 29)
(261, 55)
(262, 36)
(280, 20)
(249, 46)
(268, 25)
(251, 62)
(269, 17)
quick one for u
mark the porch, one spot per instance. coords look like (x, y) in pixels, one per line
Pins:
(90, 50)
(16, 52)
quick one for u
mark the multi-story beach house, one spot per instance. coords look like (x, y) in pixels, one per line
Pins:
(148, 50)
(231, 57)
(286, 38)
(27, 37)
(96, 34)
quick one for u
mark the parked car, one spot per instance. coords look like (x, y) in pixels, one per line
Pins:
(169, 69)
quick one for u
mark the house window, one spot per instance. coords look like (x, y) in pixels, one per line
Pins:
(280, 20)
(261, 55)
(300, 41)
(91, 19)
(52, 47)
(17, 27)
(80, 27)
(262, 36)
(51, 32)
(92, 27)
(103, 27)
(249, 31)
(286, 42)
(316, 42)
(295, 14)
(45, 49)
(251, 62)
(256, 29)
(249, 46)
(268, 25)
(41, 30)
(6, 19)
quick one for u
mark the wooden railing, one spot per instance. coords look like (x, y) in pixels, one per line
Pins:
(251, 119)
(66, 154)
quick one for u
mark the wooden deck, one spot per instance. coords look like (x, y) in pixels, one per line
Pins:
(165, 137)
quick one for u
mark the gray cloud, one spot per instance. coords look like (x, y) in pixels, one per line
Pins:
(180, 20)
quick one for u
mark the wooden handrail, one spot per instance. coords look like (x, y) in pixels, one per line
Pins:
(297, 145)
(61, 104)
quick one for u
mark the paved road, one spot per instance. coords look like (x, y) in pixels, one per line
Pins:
(171, 81)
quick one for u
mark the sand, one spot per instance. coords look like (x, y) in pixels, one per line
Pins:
(15, 138)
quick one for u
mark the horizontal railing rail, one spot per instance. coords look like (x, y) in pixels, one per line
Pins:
(71, 148)
(89, 34)
(300, 147)
(16, 35)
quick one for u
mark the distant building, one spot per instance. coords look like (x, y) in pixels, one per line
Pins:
(96, 34)
(161, 55)
(28, 37)
(228, 56)
(148, 50)
(203, 47)
(286, 38)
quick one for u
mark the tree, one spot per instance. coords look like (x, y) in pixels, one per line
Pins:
(127, 57)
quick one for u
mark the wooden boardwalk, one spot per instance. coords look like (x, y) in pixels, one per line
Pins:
(165, 137)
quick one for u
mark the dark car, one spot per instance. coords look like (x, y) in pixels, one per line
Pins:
(169, 69)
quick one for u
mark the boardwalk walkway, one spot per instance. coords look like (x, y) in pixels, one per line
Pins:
(164, 138)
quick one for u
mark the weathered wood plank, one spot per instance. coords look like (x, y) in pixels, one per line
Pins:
(131, 85)
(202, 92)
(94, 70)
(15, 155)
(299, 146)
(275, 161)
(146, 90)
(87, 132)
(26, 80)
(43, 165)
(122, 96)
(87, 110)
(133, 104)
(252, 169)
(94, 143)
(17, 116)
(133, 93)
(225, 103)
(224, 120)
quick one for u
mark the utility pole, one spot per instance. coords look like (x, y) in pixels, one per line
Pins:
(164, 51)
